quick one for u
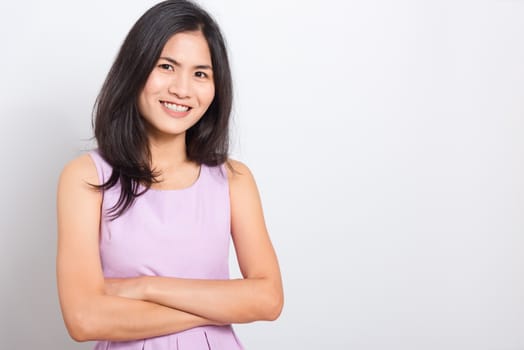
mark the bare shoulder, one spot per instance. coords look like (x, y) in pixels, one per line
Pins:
(238, 171)
(78, 202)
(80, 170)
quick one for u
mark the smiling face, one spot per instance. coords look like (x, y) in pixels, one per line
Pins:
(180, 88)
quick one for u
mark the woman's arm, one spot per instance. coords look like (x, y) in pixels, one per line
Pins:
(258, 296)
(88, 312)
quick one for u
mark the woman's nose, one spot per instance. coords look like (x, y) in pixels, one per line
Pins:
(180, 86)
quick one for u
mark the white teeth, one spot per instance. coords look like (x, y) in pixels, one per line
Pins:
(175, 107)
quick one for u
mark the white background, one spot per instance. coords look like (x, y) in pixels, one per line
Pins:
(387, 139)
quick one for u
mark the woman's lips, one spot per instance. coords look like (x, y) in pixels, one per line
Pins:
(175, 110)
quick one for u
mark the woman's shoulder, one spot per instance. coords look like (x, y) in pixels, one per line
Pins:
(239, 175)
(80, 169)
(236, 169)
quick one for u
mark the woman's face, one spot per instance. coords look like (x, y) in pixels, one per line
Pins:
(180, 88)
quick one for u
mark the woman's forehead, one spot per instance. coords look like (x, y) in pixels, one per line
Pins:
(187, 48)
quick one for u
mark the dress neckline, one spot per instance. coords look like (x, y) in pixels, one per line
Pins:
(177, 190)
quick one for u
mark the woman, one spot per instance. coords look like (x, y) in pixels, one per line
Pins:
(144, 221)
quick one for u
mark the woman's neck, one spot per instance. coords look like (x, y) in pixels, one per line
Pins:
(169, 161)
(168, 153)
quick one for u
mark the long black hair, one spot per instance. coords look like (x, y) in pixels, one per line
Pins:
(120, 130)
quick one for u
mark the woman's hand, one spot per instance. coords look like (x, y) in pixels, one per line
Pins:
(131, 288)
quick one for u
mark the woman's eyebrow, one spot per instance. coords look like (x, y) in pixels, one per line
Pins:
(174, 62)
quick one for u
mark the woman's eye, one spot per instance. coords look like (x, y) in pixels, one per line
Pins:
(166, 66)
(201, 75)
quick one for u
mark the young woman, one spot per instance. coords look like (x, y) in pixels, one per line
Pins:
(145, 220)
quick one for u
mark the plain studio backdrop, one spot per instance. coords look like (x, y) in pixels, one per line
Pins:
(386, 137)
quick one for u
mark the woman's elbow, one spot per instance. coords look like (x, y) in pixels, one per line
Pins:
(78, 335)
(274, 302)
(82, 324)
(276, 307)
(78, 326)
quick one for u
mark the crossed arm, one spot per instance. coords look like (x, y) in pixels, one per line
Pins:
(142, 307)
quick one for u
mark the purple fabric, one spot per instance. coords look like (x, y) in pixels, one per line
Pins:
(175, 233)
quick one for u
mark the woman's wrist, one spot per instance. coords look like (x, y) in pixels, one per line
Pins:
(144, 287)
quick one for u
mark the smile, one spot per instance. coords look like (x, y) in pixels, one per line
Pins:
(174, 107)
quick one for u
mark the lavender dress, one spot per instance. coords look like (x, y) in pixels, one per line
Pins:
(176, 233)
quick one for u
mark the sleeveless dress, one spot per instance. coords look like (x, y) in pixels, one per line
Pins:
(173, 233)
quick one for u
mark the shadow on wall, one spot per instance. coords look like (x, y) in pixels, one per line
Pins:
(40, 142)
